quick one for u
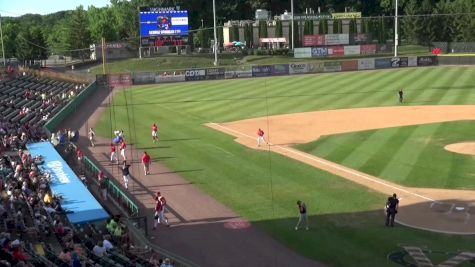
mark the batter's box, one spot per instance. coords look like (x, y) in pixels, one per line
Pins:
(441, 207)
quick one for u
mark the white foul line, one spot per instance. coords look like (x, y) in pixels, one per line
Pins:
(332, 165)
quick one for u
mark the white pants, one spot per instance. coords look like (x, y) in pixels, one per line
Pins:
(160, 217)
(154, 134)
(146, 168)
(122, 153)
(260, 139)
(114, 156)
(126, 181)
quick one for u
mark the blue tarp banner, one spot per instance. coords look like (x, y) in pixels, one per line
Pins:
(77, 200)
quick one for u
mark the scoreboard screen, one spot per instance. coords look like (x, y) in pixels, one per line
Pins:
(163, 22)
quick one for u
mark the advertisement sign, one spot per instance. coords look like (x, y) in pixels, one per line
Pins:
(346, 15)
(349, 65)
(169, 78)
(426, 61)
(350, 50)
(412, 62)
(163, 22)
(280, 69)
(215, 73)
(360, 38)
(315, 67)
(317, 16)
(295, 68)
(313, 40)
(261, 71)
(303, 52)
(366, 64)
(144, 77)
(122, 79)
(337, 39)
(195, 75)
(331, 66)
(319, 52)
(336, 51)
(368, 49)
(382, 63)
(237, 74)
(397, 62)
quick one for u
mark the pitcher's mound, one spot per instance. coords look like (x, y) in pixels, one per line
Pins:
(467, 148)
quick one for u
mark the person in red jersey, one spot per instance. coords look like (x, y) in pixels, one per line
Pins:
(114, 154)
(154, 132)
(160, 203)
(122, 150)
(260, 137)
(79, 154)
(146, 162)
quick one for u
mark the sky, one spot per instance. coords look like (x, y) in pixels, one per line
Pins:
(15, 8)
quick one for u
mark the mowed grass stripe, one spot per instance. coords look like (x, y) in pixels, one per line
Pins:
(434, 95)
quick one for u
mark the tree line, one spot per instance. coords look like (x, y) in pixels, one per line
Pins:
(71, 32)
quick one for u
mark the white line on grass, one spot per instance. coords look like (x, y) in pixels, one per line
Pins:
(332, 165)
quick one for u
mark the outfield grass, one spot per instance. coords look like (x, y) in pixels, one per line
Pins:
(404, 155)
(346, 218)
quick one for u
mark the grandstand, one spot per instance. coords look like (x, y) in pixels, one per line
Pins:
(39, 221)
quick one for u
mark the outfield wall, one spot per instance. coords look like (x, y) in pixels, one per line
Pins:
(219, 73)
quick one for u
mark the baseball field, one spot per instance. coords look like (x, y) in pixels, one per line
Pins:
(352, 120)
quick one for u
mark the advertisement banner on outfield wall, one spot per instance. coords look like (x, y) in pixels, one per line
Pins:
(412, 62)
(261, 71)
(366, 64)
(349, 65)
(280, 69)
(360, 38)
(399, 62)
(169, 78)
(295, 68)
(315, 67)
(122, 79)
(313, 40)
(336, 51)
(331, 66)
(144, 77)
(215, 73)
(337, 39)
(195, 74)
(350, 50)
(305, 52)
(382, 63)
(319, 52)
(426, 61)
(233, 74)
(368, 49)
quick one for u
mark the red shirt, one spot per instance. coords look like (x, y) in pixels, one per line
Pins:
(161, 201)
(146, 158)
(79, 153)
(260, 132)
(122, 146)
(112, 149)
(154, 128)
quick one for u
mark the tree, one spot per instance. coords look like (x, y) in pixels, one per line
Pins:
(79, 37)
(24, 49)
(444, 24)
(410, 23)
(220, 35)
(465, 23)
(308, 27)
(323, 26)
(337, 26)
(278, 29)
(10, 32)
(203, 38)
(295, 34)
(38, 48)
(235, 33)
(262, 29)
(353, 27)
(101, 24)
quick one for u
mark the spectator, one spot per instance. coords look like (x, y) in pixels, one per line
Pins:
(102, 184)
(107, 243)
(166, 263)
(99, 249)
(65, 255)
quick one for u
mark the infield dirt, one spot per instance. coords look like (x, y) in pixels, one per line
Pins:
(439, 210)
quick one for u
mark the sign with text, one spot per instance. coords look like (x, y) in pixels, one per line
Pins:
(426, 61)
(215, 73)
(350, 50)
(261, 71)
(366, 64)
(368, 49)
(337, 39)
(319, 52)
(195, 75)
(412, 62)
(349, 65)
(313, 40)
(336, 51)
(397, 62)
(163, 22)
(317, 16)
(280, 69)
(332, 66)
(303, 52)
(295, 68)
(346, 15)
(382, 63)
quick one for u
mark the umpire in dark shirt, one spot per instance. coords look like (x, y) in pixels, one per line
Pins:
(392, 206)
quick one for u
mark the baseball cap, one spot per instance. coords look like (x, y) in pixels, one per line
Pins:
(15, 243)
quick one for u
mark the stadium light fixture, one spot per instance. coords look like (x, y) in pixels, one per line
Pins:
(396, 37)
(215, 46)
(1, 37)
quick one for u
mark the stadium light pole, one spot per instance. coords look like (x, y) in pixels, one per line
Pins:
(215, 39)
(1, 37)
(292, 21)
(396, 37)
